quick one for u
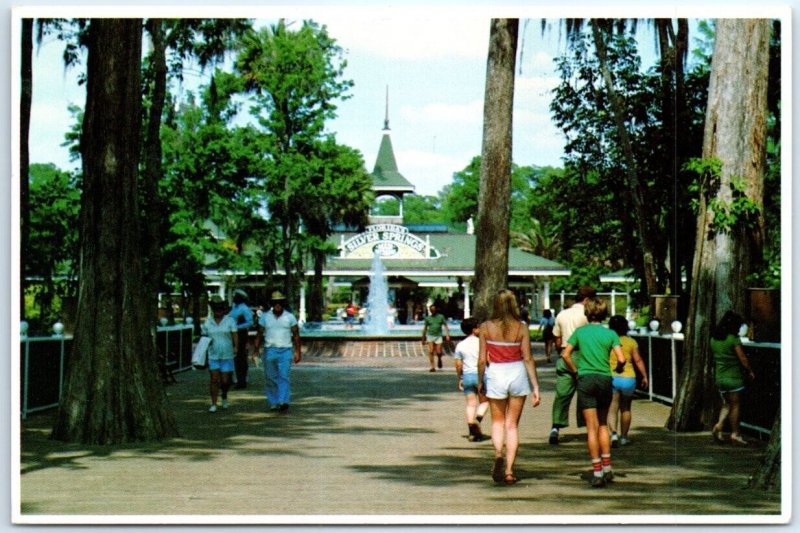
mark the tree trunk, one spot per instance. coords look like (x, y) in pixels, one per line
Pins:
(113, 392)
(154, 208)
(635, 189)
(26, 94)
(316, 296)
(494, 197)
(673, 115)
(735, 134)
(768, 475)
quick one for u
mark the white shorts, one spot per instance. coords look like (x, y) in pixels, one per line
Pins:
(507, 379)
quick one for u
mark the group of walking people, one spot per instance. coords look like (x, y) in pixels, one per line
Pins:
(278, 333)
(496, 371)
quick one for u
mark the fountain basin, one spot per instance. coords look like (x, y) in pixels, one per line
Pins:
(334, 341)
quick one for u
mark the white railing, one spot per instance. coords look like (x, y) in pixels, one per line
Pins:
(663, 356)
(43, 363)
(45, 391)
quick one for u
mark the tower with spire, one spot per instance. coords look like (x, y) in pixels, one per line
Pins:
(386, 178)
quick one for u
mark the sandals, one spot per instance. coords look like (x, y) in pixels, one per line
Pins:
(737, 440)
(498, 472)
(499, 475)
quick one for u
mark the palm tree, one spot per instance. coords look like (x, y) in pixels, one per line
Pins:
(673, 49)
(492, 228)
(536, 240)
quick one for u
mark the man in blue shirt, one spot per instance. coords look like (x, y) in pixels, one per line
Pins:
(243, 316)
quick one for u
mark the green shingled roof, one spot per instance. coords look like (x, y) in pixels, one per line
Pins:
(385, 176)
(457, 255)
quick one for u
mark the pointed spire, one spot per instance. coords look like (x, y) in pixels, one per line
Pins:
(386, 120)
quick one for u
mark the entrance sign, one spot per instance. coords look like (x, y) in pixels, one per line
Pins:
(389, 241)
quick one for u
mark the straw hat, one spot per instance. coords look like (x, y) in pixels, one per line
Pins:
(277, 296)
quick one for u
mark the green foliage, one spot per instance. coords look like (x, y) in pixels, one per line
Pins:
(419, 209)
(738, 210)
(52, 254)
(596, 223)
(208, 167)
(461, 196)
(293, 79)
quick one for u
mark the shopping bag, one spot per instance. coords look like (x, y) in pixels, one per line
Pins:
(200, 352)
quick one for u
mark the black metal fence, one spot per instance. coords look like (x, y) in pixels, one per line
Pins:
(43, 364)
(663, 355)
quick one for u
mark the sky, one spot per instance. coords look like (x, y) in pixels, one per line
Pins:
(433, 64)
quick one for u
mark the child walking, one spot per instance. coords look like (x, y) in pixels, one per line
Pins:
(595, 342)
(466, 362)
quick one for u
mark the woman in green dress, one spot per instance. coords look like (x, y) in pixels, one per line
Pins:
(731, 368)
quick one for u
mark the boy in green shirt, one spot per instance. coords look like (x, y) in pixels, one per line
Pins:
(595, 342)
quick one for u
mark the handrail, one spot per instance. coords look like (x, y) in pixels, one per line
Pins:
(42, 373)
(767, 394)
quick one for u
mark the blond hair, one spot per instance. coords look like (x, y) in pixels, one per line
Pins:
(596, 310)
(505, 310)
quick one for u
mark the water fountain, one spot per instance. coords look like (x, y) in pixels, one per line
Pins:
(375, 322)
(374, 338)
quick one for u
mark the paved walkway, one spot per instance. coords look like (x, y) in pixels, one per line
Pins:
(374, 437)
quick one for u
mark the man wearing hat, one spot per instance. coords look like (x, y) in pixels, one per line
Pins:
(243, 317)
(280, 335)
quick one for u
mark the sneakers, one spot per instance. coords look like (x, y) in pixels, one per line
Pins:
(624, 441)
(213, 408)
(475, 434)
(439, 364)
(614, 440)
(597, 482)
(553, 437)
(225, 403)
(608, 476)
(283, 408)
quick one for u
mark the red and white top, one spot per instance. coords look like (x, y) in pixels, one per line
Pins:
(503, 351)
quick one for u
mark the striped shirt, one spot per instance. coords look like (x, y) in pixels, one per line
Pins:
(503, 351)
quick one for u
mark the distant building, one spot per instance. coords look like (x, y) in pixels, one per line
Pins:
(417, 258)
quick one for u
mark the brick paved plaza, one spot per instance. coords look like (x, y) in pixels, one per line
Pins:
(377, 439)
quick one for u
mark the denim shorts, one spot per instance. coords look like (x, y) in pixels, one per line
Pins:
(470, 382)
(223, 365)
(625, 386)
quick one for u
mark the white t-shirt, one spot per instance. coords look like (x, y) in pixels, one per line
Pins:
(277, 330)
(568, 321)
(221, 346)
(468, 351)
